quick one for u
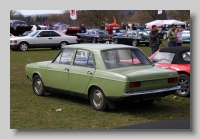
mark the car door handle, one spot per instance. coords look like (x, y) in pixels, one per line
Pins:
(164, 67)
(66, 69)
(90, 73)
(50, 38)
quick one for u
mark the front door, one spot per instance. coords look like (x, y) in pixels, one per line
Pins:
(43, 39)
(58, 70)
(81, 71)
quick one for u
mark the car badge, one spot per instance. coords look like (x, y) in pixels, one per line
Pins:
(170, 74)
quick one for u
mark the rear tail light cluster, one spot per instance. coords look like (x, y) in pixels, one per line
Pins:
(172, 80)
(134, 84)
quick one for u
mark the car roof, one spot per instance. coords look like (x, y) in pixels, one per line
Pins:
(178, 58)
(99, 47)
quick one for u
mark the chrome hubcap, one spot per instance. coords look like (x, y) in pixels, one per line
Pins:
(23, 47)
(98, 98)
(38, 86)
(185, 86)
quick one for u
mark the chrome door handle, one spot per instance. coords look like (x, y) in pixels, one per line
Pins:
(50, 38)
(66, 69)
(90, 73)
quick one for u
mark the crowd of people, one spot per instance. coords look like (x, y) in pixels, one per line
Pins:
(173, 35)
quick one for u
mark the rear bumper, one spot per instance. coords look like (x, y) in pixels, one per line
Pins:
(13, 46)
(142, 95)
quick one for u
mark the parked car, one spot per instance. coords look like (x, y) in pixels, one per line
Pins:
(177, 59)
(11, 35)
(42, 39)
(133, 37)
(95, 36)
(186, 36)
(147, 30)
(102, 73)
(26, 33)
(14, 23)
(163, 34)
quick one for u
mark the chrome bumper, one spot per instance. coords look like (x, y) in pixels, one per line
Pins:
(151, 91)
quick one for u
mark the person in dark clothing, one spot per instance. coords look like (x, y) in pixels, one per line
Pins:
(50, 27)
(18, 30)
(154, 41)
(38, 27)
(83, 29)
(102, 27)
(164, 27)
(133, 27)
(12, 30)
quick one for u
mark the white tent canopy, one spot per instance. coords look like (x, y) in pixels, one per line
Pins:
(162, 22)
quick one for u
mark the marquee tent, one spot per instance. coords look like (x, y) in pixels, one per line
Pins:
(167, 22)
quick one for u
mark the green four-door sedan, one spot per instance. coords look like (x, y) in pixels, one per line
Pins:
(104, 74)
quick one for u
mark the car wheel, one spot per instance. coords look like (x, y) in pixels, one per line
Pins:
(23, 46)
(134, 43)
(147, 102)
(38, 86)
(94, 40)
(98, 99)
(62, 44)
(165, 36)
(184, 82)
(115, 41)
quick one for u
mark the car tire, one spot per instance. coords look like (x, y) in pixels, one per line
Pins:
(94, 40)
(134, 43)
(98, 99)
(147, 102)
(38, 86)
(184, 82)
(62, 44)
(115, 41)
(165, 36)
(23, 46)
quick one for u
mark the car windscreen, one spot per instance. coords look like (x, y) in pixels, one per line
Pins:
(117, 58)
(102, 33)
(33, 33)
(143, 33)
(163, 57)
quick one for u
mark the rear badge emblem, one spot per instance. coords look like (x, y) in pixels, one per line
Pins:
(170, 74)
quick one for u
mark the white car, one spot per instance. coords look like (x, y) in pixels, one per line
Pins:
(11, 36)
(42, 39)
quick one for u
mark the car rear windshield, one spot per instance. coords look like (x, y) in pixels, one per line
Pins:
(117, 58)
(163, 57)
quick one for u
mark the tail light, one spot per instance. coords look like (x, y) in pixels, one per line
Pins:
(134, 84)
(14, 41)
(172, 80)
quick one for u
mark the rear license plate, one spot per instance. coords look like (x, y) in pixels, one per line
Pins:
(152, 96)
(105, 38)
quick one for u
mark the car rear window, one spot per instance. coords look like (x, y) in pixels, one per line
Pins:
(163, 57)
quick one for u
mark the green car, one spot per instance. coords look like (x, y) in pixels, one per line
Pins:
(104, 74)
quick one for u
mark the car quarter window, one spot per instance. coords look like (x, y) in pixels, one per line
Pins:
(66, 56)
(186, 56)
(83, 58)
(44, 34)
(57, 58)
(54, 34)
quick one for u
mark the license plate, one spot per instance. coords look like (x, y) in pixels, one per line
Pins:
(105, 38)
(152, 96)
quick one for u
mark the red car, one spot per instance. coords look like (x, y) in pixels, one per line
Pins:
(177, 59)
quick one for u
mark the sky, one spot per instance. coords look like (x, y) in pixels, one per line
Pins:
(34, 12)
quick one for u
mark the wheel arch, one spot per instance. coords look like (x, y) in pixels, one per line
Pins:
(24, 42)
(183, 72)
(90, 88)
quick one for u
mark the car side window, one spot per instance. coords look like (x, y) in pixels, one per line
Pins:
(54, 34)
(81, 58)
(67, 56)
(57, 59)
(186, 56)
(44, 34)
(89, 32)
(90, 63)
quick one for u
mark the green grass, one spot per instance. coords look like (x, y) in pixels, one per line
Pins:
(28, 111)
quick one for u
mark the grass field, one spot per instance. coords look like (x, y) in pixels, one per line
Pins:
(28, 111)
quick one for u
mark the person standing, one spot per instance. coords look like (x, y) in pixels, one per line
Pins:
(179, 37)
(110, 30)
(171, 35)
(12, 30)
(83, 29)
(38, 27)
(154, 41)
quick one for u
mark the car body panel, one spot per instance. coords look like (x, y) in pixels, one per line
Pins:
(185, 36)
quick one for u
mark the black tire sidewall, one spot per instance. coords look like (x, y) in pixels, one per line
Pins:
(104, 106)
(43, 91)
(188, 79)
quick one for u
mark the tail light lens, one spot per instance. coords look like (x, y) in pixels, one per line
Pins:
(15, 41)
(135, 84)
(172, 80)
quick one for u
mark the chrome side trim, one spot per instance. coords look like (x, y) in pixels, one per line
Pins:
(151, 91)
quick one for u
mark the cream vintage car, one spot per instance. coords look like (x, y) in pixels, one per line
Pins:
(104, 74)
